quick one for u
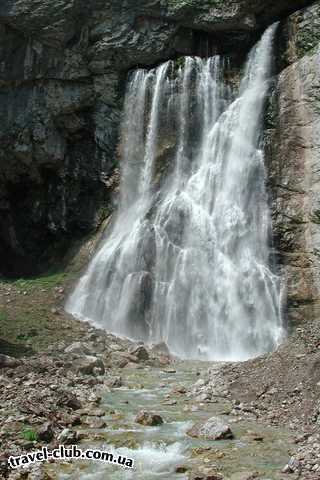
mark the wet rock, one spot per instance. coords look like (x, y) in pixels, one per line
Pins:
(148, 419)
(45, 432)
(212, 429)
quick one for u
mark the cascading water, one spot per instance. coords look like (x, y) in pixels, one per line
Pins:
(187, 260)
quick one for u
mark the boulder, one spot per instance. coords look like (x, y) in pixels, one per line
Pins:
(93, 412)
(181, 469)
(164, 360)
(4, 466)
(160, 349)
(140, 353)
(87, 365)
(45, 432)
(78, 348)
(212, 429)
(8, 362)
(114, 382)
(67, 437)
(121, 359)
(121, 363)
(148, 419)
(292, 466)
(73, 402)
(95, 423)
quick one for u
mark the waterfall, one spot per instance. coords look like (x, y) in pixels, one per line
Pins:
(187, 260)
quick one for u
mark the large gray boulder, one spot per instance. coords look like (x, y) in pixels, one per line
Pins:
(212, 429)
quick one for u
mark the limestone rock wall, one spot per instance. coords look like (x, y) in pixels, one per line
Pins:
(293, 157)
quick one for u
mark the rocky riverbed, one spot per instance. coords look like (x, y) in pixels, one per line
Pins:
(66, 382)
(108, 393)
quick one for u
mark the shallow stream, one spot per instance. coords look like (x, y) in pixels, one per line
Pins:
(158, 451)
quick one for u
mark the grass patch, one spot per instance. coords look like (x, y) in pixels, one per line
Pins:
(44, 281)
(29, 435)
(27, 322)
(31, 325)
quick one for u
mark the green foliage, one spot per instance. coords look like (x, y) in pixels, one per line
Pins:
(30, 435)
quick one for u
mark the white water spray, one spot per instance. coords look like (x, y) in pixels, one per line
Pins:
(187, 260)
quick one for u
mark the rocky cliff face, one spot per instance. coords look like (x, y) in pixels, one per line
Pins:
(63, 66)
(293, 154)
